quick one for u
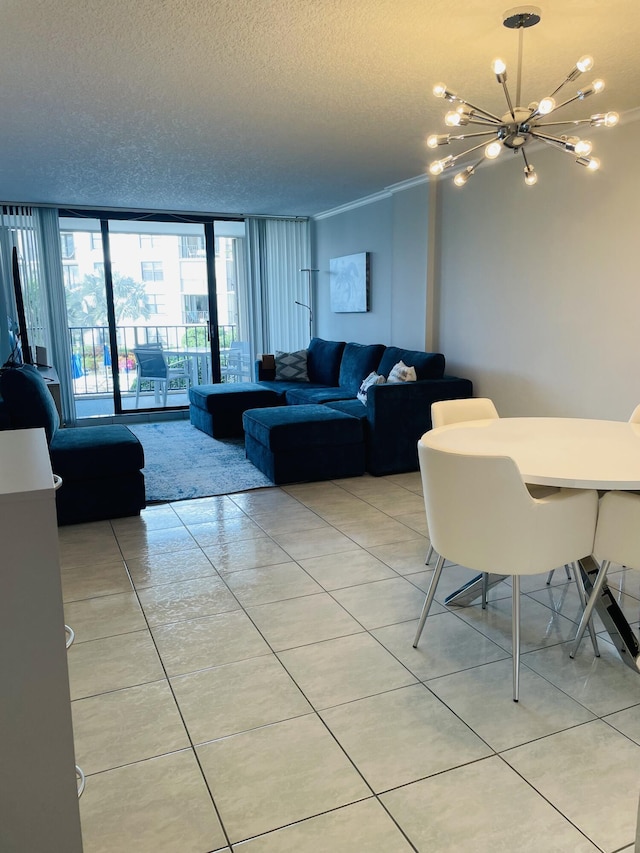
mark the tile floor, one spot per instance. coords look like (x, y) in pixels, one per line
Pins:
(243, 680)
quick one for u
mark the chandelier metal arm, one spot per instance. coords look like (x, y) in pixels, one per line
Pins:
(472, 135)
(489, 115)
(484, 122)
(553, 141)
(573, 122)
(508, 99)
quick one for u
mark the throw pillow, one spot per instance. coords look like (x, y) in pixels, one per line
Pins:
(400, 372)
(372, 379)
(292, 366)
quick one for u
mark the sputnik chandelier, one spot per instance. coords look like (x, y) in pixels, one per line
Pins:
(519, 126)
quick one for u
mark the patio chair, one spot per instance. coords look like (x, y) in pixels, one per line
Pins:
(238, 366)
(152, 366)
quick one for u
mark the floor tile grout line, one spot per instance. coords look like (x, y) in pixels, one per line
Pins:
(547, 800)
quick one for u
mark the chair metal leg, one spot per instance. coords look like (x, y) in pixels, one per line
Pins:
(583, 602)
(485, 589)
(515, 634)
(429, 599)
(586, 616)
(429, 555)
(567, 572)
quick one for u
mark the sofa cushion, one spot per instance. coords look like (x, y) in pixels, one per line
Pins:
(317, 395)
(292, 366)
(358, 361)
(27, 400)
(428, 365)
(90, 453)
(323, 361)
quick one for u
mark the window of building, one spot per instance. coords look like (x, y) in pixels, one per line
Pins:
(192, 246)
(152, 271)
(70, 273)
(154, 303)
(96, 240)
(67, 246)
(149, 241)
(195, 308)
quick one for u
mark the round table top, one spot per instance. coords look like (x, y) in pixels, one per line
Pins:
(567, 452)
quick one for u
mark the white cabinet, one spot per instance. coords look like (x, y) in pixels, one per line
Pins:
(38, 796)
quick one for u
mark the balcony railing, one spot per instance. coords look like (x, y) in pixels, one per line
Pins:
(91, 357)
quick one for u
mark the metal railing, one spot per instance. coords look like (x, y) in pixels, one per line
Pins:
(91, 356)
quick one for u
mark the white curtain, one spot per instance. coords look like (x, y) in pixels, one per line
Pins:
(48, 230)
(278, 249)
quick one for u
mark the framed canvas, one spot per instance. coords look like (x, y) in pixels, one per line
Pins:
(349, 280)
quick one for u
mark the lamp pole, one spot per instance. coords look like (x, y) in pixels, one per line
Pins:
(309, 272)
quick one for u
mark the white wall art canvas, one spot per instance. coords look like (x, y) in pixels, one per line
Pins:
(349, 279)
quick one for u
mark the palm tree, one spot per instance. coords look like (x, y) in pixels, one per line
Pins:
(87, 301)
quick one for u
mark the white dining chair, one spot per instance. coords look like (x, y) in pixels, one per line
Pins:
(482, 516)
(616, 541)
(445, 412)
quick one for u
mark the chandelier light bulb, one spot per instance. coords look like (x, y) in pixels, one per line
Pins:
(546, 106)
(462, 177)
(452, 119)
(583, 147)
(530, 176)
(611, 119)
(438, 139)
(440, 90)
(592, 164)
(492, 150)
(585, 63)
(594, 89)
(498, 66)
(436, 168)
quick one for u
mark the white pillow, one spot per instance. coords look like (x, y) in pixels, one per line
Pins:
(372, 379)
(400, 372)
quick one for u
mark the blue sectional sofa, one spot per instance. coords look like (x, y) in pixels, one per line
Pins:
(394, 416)
(100, 466)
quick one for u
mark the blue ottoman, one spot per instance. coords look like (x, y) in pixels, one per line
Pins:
(217, 409)
(293, 444)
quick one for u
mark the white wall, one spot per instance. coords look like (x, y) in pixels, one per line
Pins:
(393, 230)
(537, 297)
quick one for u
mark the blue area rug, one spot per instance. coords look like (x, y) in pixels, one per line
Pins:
(182, 462)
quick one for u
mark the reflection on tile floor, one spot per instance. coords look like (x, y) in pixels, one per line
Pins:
(243, 679)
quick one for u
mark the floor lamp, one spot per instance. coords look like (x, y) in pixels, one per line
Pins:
(302, 304)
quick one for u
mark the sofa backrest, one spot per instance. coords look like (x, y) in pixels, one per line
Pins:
(27, 400)
(428, 365)
(358, 361)
(323, 361)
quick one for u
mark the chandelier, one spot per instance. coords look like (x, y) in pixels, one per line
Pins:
(519, 126)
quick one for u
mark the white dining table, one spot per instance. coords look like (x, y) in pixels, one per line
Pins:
(199, 361)
(572, 453)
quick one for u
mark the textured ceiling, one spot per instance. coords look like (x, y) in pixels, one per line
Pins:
(288, 107)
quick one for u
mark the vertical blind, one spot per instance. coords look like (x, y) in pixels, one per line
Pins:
(18, 230)
(278, 250)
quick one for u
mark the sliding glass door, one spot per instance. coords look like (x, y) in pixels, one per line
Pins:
(154, 307)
